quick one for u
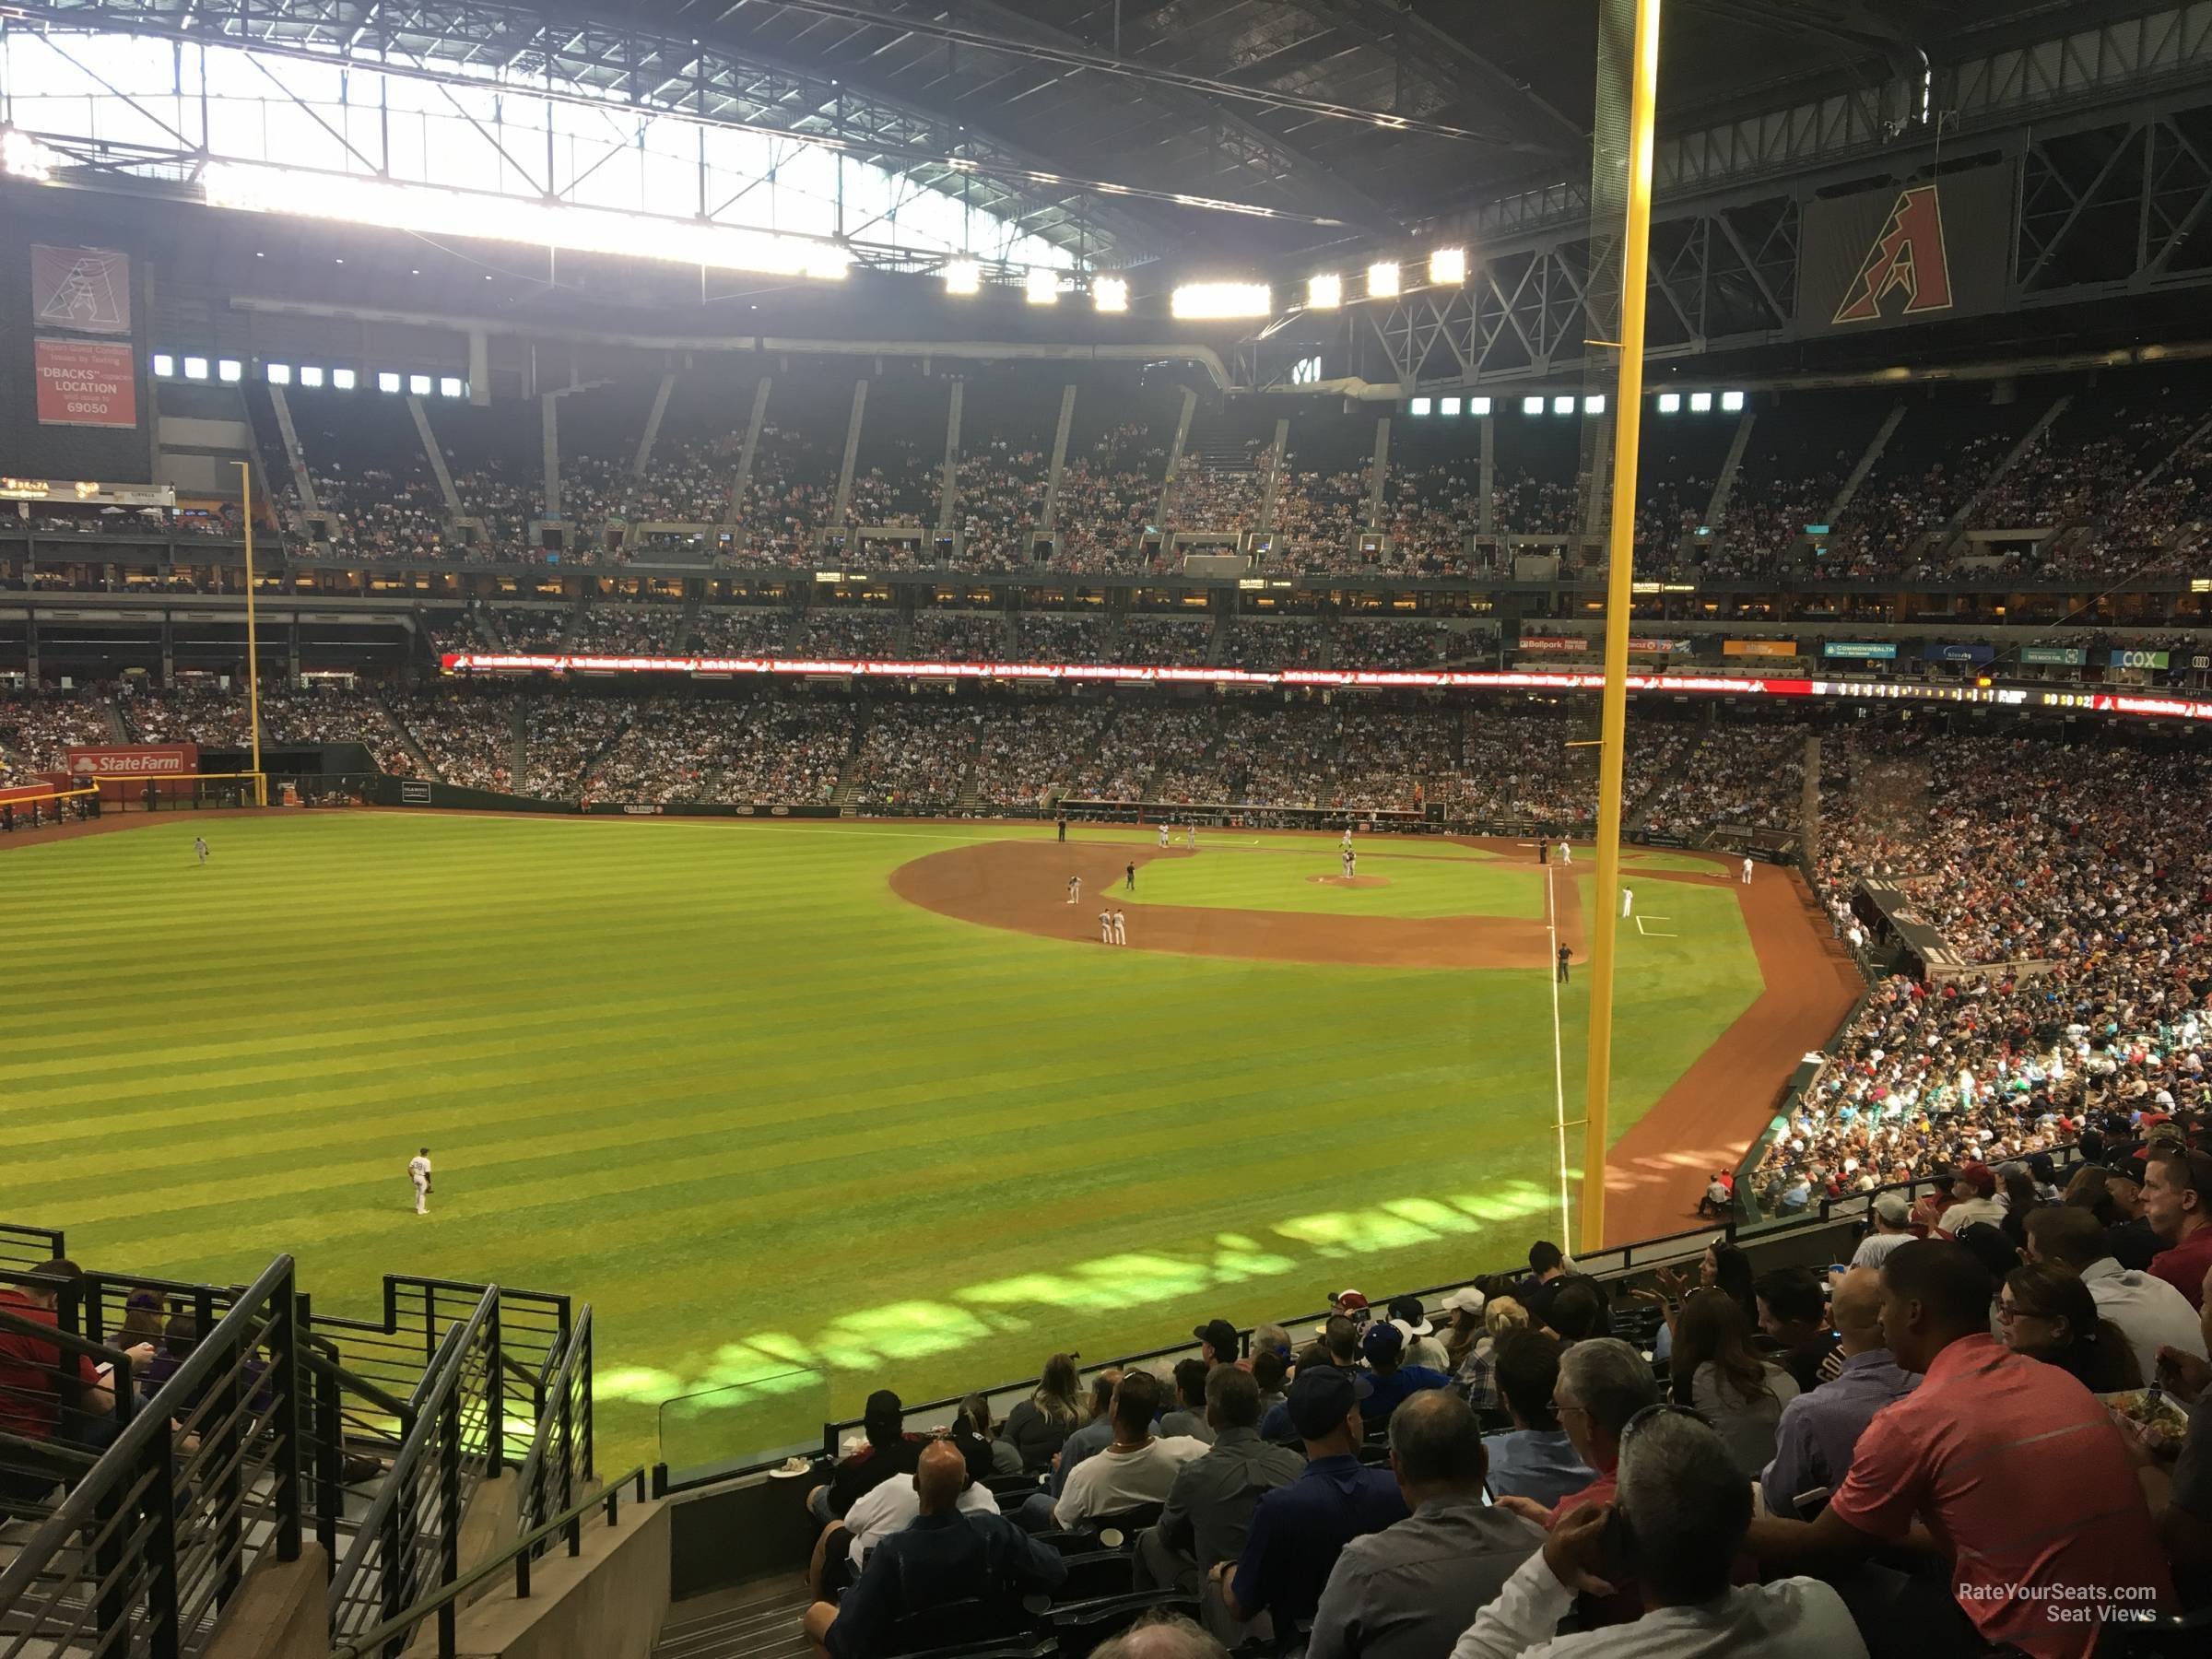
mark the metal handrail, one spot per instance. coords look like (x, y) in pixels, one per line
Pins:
(553, 1435)
(517, 1555)
(80, 1508)
(435, 1427)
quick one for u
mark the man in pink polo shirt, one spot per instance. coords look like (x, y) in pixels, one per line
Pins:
(2013, 1467)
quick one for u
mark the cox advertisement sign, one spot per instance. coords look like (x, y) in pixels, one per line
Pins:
(2121, 658)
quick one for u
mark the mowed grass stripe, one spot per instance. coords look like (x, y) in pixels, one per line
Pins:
(719, 1080)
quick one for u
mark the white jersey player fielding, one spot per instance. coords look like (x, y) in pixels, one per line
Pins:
(1163, 838)
(1120, 929)
(1628, 902)
(1075, 889)
(1747, 870)
(418, 1171)
(199, 845)
(1566, 852)
(1105, 927)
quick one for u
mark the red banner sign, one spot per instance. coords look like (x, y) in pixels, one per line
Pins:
(125, 769)
(87, 290)
(85, 383)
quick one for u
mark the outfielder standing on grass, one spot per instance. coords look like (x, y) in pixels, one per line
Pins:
(418, 1171)
(199, 845)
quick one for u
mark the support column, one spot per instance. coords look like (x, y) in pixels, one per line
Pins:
(1051, 479)
(653, 426)
(752, 444)
(549, 436)
(1182, 432)
(1273, 484)
(292, 652)
(1380, 471)
(948, 489)
(1486, 507)
(31, 644)
(168, 650)
(844, 471)
(1808, 801)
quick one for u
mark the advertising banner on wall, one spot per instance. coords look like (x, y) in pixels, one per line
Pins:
(1976, 655)
(2053, 656)
(83, 290)
(2121, 657)
(84, 383)
(1860, 650)
(1907, 252)
(1773, 648)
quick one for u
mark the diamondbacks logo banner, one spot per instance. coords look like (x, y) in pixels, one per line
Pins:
(83, 290)
(1906, 254)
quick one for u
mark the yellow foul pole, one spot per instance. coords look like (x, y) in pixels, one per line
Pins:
(1628, 412)
(245, 497)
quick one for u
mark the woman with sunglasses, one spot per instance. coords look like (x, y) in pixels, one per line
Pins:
(2048, 1313)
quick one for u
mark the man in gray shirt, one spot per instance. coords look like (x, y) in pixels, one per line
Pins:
(1209, 1507)
(1408, 1591)
(1189, 1415)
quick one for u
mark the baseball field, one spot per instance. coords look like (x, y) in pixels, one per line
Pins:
(846, 1104)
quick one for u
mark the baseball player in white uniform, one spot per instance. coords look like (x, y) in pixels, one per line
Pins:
(1347, 842)
(1343, 859)
(199, 845)
(1163, 837)
(1193, 838)
(1746, 869)
(1120, 931)
(1628, 902)
(418, 1171)
(1105, 927)
(1566, 852)
(1075, 889)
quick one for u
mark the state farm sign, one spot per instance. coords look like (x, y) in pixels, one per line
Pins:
(135, 760)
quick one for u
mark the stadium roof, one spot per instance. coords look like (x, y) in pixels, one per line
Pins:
(1089, 122)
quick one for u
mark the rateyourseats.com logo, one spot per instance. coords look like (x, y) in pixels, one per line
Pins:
(2072, 1604)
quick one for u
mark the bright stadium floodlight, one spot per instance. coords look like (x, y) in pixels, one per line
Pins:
(1420, 406)
(1110, 294)
(418, 384)
(229, 371)
(1531, 405)
(1700, 402)
(1383, 278)
(1670, 403)
(342, 380)
(1449, 405)
(1221, 301)
(195, 368)
(432, 210)
(23, 156)
(453, 386)
(277, 374)
(1041, 286)
(387, 382)
(1731, 403)
(310, 375)
(1594, 403)
(1478, 405)
(1563, 404)
(1448, 267)
(165, 365)
(963, 276)
(1325, 293)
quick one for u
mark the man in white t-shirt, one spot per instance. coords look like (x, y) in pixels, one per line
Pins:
(1136, 1469)
(877, 1513)
(418, 1171)
(1892, 1227)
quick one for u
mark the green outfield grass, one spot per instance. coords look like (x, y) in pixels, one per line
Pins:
(718, 1079)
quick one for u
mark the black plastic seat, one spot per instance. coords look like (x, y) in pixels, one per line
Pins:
(967, 1623)
(1081, 1625)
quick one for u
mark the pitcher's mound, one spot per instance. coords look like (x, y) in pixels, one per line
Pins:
(1349, 881)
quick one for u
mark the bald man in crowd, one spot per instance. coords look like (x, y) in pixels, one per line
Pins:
(944, 1555)
(1820, 1429)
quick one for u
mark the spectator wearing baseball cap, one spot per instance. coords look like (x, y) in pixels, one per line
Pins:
(1299, 1531)
(1892, 1227)
(890, 1451)
(1421, 1346)
(1392, 1378)
(1465, 1307)
(1351, 1304)
(1974, 1188)
(1218, 1342)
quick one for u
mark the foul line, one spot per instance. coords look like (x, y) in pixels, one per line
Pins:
(1558, 1072)
(1654, 932)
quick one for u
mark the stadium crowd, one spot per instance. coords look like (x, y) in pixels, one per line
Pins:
(1943, 1447)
